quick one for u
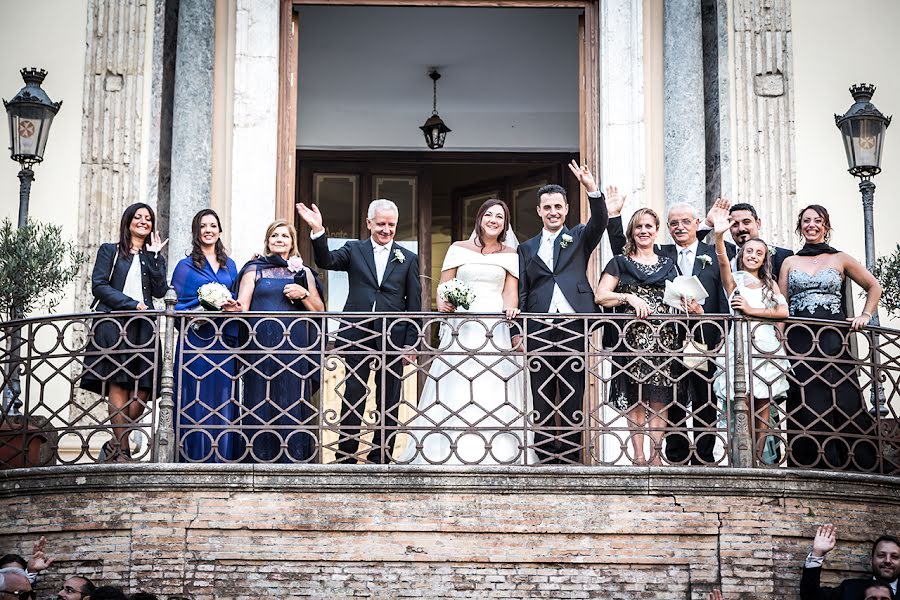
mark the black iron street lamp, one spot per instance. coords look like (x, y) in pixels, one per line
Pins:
(30, 113)
(863, 128)
(434, 128)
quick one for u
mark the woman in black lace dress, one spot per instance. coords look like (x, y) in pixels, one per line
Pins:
(634, 283)
(825, 398)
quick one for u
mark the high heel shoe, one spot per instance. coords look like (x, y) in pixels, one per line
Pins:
(109, 453)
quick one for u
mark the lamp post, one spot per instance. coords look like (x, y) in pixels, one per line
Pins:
(30, 114)
(863, 127)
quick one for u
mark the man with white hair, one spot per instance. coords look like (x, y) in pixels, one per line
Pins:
(692, 257)
(14, 583)
(383, 277)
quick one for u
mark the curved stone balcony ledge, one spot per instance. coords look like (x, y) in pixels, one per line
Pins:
(449, 480)
(238, 531)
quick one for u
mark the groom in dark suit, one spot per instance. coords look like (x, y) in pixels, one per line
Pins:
(553, 279)
(383, 277)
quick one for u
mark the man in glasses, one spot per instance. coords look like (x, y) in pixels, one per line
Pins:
(76, 587)
(14, 584)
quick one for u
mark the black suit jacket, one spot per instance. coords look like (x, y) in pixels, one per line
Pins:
(110, 271)
(849, 589)
(536, 281)
(777, 258)
(708, 274)
(399, 290)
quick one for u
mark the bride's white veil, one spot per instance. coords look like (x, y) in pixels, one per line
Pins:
(511, 240)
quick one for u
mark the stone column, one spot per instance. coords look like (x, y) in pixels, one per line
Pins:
(684, 119)
(623, 150)
(254, 151)
(111, 127)
(764, 162)
(192, 121)
(622, 109)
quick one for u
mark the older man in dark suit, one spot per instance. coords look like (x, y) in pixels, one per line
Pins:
(383, 277)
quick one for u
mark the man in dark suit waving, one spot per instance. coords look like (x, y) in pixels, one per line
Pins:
(885, 568)
(553, 279)
(383, 277)
(745, 225)
(692, 257)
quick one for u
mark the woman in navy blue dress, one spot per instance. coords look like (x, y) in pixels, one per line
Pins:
(205, 372)
(282, 371)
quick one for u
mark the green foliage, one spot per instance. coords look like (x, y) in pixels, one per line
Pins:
(887, 272)
(36, 264)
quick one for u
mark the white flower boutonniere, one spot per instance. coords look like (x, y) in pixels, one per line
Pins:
(565, 240)
(398, 256)
(772, 252)
(704, 260)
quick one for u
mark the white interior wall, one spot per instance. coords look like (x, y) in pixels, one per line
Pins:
(829, 56)
(509, 77)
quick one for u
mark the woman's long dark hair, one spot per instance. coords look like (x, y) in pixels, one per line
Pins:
(125, 228)
(479, 230)
(197, 248)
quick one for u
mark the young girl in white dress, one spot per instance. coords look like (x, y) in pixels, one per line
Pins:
(752, 290)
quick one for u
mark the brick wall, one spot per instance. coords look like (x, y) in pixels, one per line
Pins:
(244, 531)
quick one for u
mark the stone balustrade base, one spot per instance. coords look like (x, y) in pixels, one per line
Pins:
(335, 531)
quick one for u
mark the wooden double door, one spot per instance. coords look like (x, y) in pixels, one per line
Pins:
(437, 195)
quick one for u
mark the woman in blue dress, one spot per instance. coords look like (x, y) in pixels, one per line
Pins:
(282, 371)
(207, 385)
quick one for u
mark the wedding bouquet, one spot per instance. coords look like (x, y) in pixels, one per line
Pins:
(213, 296)
(456, 292)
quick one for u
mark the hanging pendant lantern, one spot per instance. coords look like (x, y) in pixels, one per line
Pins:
(434, 128)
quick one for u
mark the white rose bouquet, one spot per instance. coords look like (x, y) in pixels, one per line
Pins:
(213, 296)
(456, 292)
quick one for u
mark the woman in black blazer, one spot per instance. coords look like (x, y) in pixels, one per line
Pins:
(121, 352)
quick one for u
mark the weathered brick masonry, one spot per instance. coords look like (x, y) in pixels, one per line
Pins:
(245, 531)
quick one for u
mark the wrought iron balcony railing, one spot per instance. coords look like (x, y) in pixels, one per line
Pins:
(470, 389)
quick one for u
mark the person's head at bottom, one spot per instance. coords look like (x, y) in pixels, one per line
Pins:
(886, 558)
(877, 590)
(108, 592)
(76, 587)
(14, 583)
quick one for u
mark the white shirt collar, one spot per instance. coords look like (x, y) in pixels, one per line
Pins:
(376, 245)
(550, 235)
(692, 247)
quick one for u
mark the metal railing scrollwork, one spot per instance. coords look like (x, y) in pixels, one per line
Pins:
(600, 389)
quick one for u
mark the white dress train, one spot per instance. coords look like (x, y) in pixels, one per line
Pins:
(475, 382)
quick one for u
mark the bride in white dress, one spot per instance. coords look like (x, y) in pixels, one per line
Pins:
(474, 403)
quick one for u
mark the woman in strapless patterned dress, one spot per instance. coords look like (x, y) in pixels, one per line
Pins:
(827, 419)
